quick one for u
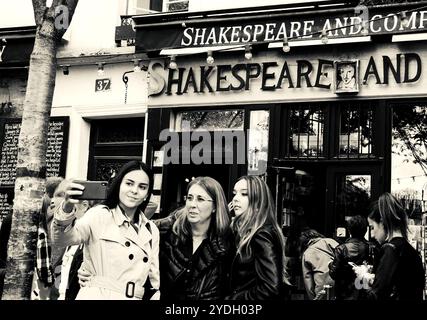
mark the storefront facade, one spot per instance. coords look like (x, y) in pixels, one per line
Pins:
(319, 121)
(16, 45)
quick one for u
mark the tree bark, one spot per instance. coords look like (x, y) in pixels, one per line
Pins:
(31, 163)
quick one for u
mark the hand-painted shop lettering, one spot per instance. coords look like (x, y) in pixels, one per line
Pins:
(204, 79)
(321, 74)
(412, 63)
(304, 70)
(221, 70)
(271, 76)
(267, 76)
(190, 80)
(371, 70)
(285, 74)
(270, 30)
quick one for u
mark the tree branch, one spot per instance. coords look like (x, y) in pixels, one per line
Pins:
(39, 7)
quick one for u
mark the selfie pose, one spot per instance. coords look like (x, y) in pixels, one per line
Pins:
(257, 271)
(121, 246)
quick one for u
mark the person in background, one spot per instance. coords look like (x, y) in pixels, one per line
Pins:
(399, 273)
(121, 246)
(354, 250)
(43, 279)
(43, 275)
(67, 284)
(317, 252)
(195, 243)
(257, 271)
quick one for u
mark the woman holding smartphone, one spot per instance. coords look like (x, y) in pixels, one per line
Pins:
(257, 271)
(121, 246)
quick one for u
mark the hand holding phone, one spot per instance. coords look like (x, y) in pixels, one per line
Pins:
(93, 190)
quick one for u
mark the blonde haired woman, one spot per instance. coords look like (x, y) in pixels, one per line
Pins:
(195, 245)
(257, 268)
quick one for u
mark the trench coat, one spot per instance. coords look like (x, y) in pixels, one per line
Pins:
(121, 260)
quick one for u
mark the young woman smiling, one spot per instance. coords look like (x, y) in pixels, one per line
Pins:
(121, 245)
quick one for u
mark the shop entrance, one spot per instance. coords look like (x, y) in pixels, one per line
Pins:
(320, 195)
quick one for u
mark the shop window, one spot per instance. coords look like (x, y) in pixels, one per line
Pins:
(258, 142)
(114, 142)
(306, 132)
(175, 5)
(355, 135)
(120, 130)
(218, 120)
(138, 7)
(409, 154)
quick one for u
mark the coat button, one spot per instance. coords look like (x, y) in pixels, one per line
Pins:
(127, 244)
(131, 256)
(188, 270)
(145, 259)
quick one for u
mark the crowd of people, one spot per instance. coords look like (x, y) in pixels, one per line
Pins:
(210, 249)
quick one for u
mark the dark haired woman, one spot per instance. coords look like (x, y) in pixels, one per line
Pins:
(257, 269)
(121, 246)
(399, 274)
(195, 244)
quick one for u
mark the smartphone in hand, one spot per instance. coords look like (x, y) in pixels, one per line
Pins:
(94, 190)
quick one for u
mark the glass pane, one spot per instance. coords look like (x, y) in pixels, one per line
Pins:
(409, 157)
(306, 128)
(258, 142)
(120, 130)
(177, 5)
(353, 196)
(217, 120)
(355, 132)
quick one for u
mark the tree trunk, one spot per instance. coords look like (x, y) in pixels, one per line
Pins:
(31, 165)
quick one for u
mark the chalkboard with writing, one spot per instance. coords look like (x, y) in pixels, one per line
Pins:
(56, 153)
(6, 202)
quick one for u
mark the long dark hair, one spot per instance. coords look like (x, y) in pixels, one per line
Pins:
(261, 211)
(114, 189)
(388, 211)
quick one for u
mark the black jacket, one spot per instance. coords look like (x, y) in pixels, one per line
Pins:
(188, 276)
(353, 250)
(259, 277)
(399, 274)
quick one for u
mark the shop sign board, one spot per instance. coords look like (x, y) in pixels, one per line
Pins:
(324, 74)
(274, 28)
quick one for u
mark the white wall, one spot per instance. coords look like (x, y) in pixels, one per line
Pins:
(16, 13)
(76, 98)
(93, 26)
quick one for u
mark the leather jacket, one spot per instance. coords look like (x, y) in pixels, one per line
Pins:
(259, 277)
(188, 276)
(353, 250)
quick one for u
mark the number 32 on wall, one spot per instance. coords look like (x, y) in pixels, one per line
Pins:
(102, 85)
